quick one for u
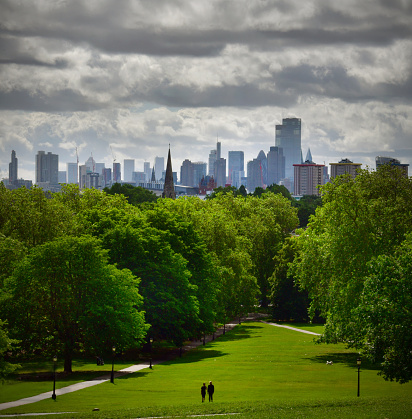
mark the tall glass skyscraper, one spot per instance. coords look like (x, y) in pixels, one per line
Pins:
(236, 167)
(288, 136)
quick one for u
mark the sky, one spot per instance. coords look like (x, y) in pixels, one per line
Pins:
(123, 79)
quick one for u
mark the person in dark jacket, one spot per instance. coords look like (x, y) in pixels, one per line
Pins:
(203, 391)
(210, 391)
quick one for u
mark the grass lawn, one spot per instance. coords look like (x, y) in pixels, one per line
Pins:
(258, 370)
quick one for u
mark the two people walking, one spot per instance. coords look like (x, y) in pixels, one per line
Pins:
(210, 390)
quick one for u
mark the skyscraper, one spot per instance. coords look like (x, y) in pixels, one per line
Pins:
(199, 172)
(159, 167)
(13, 168)
(72, 174)
(147, 171)
(128, 168)
(254, 175)
(276, 165)
(47, 168)
(236, 167)
(186, 173)
(214, 155)
(117, 176)
(220, 172)
(288, 136)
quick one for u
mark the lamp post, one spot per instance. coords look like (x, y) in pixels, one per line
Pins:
(54, 377)
(113, 353)
(151, 342)
(358, 363)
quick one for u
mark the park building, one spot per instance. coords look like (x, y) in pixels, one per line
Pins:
(345, 166)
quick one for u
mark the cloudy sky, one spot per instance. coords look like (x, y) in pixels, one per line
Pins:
(135, 76)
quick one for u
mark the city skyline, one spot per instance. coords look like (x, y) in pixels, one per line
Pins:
(128, 81)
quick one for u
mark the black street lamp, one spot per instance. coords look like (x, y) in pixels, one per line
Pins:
(113, 353)
(54, 377)
(358, 363)
(151, 342)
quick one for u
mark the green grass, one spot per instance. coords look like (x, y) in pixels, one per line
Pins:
(258, 370)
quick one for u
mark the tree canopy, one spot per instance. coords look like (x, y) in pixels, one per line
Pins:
(360, 220)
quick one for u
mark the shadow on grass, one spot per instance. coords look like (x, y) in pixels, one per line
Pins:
(348, 359)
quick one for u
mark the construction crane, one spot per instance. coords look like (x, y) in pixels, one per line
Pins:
(114, 157)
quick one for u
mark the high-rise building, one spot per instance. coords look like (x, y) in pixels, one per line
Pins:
(212, 160)
(159, 167)
(220, 172)
(13, 165)
(47, 168)
(187, 173)
(72, 175)
(254, 175)
(62, 176)
(264, 165)
(380, 160)
(236, 167)
(288, 136)
(128, 169)
(199, 172)
(147, 170)
(276, 165)
(117, 174)
(307, 177)
(343, 167)
(106, 177)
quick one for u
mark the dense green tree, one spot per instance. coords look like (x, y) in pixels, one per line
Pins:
(135, 194)
(360, 219)
(31, 218)
(306, 207)
(282, 189)
(185, 240)
(65, 297)
(384, 314)
(6, 344)
(288, 301)
(169, 299)
(236, 286)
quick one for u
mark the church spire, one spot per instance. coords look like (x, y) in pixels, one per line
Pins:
(169, 188)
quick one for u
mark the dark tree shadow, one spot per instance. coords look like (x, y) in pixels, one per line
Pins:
(348, 359)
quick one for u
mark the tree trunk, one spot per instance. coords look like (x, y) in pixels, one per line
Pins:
(68, 363)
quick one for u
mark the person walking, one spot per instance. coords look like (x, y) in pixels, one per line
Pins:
(203, 391)
(210, 391)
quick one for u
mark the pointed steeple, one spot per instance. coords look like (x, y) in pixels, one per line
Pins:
(309, 156)
(169, 187)
(153, 175)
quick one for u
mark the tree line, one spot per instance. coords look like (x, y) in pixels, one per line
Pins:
(82, 271)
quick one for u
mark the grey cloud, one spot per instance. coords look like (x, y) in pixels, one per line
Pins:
(60, 101)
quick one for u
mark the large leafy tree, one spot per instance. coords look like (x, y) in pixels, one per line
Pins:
(28, 216)
(360, 220)
(185, 240)
(385, 313)
(65, 297)
(135, 194)
(170, 301)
